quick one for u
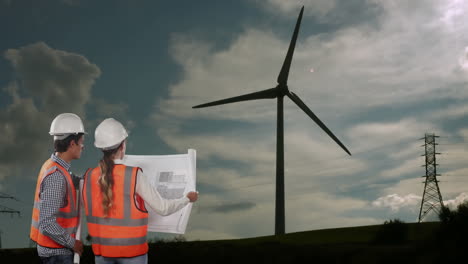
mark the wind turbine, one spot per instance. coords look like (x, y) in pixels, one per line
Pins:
(279, 92)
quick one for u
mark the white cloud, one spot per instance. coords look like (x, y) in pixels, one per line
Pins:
(452, 14)
(415, 185)
(396, 202)
(453, 203)
(412, 201)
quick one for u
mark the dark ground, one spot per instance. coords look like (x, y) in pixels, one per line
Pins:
(397, 243)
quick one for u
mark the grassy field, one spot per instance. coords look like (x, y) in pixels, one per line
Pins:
(404, 243)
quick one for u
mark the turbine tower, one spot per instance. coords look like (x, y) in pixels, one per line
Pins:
(279, 92)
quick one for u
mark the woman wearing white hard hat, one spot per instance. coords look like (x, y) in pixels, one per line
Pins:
(114, 198)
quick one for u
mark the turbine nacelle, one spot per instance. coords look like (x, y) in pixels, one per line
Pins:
(283, 89)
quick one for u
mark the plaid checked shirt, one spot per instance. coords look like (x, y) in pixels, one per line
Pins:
(53, 195)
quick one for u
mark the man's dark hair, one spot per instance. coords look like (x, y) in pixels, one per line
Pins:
(62, 145)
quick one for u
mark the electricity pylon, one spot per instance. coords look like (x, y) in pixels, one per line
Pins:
(432, 199)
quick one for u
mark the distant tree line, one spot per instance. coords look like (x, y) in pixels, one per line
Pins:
(454, 224)
(393, 231)
(452, 232)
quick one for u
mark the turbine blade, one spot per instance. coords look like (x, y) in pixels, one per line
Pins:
(306, 109)
(265, 94)
(284, 73)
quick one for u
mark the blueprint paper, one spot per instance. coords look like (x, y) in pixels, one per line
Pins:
(173, 176)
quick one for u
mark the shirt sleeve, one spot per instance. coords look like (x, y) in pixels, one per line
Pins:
(154, 200)
(53, 196)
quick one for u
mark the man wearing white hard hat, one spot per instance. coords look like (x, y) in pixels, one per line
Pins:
(114, 198)
(55, 213)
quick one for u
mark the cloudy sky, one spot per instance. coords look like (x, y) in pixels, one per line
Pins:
(379, 73)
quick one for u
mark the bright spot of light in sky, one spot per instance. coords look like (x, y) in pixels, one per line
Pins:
(311, 70)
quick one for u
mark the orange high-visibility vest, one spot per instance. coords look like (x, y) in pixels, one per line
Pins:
(123, 232)
(67, 217)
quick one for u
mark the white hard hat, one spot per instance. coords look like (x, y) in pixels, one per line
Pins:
(66, 124)
(109, 134)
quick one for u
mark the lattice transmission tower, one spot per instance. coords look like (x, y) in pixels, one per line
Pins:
(431, 199)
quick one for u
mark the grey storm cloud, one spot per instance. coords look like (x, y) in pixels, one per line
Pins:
(49, 82)
(60, 80)
(332, 12)
(231, 207)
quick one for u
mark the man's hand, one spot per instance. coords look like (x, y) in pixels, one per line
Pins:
(78, 248)
(193, 196)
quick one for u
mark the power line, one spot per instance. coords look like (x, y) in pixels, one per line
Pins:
(7, 210)
(7, 196)
(4, 209)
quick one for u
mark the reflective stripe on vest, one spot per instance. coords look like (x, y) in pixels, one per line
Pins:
(123, 232)
(66, 217)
